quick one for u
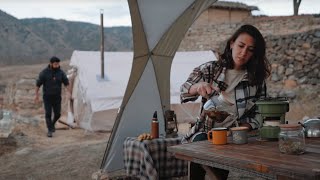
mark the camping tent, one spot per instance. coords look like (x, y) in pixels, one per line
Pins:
(97, 101)
(158, 28)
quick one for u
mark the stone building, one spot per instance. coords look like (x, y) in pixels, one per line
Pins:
(223, 12)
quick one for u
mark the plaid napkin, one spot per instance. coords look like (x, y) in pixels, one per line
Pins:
(149, 159)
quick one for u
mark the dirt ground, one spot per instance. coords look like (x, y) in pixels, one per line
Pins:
(75, 153)
(71, 154)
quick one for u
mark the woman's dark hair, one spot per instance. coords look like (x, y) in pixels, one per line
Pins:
(258, 66)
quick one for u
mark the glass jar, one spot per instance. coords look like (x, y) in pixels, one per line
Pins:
(291, 139)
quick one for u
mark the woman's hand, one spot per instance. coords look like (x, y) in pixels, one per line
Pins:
(203, 89)
(246, 125)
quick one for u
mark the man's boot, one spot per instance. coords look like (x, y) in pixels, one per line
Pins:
(54, 124)
(49, 134)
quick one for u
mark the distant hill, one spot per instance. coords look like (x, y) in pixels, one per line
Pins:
(34, 40)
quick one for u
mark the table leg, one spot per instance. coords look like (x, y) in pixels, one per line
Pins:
(216, 173)
(189, 170)
(210, 173)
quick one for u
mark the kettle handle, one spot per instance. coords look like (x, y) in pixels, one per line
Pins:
(302, 124)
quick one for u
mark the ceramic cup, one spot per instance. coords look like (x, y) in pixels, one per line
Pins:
(239, 135)
(218, 135)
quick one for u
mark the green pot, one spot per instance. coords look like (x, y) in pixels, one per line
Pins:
(272, 107)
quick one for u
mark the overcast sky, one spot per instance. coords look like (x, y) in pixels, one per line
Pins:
(116, 12)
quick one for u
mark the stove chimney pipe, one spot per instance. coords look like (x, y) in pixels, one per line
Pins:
(102, 44)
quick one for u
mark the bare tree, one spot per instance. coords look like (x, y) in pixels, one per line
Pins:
(296, 4)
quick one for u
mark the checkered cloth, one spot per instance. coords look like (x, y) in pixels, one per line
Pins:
(149, 159)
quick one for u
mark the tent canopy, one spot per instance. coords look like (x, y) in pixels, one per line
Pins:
(97, 101)
(158, 28)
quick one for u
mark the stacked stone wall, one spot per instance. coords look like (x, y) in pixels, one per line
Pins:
(295, 58)
(20, 96)
(210, 36)
(283, 25)
(293, 45)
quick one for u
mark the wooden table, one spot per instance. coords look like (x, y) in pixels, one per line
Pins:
(261, 159)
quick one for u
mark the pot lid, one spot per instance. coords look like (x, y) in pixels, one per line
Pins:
(311, 122)
(272, 100)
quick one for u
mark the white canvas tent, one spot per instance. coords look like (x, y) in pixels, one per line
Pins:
(97, 101)
(158, 28)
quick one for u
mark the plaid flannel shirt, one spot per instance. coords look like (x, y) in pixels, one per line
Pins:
(245, 96)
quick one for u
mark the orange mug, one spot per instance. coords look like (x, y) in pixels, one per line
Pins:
(218, 135)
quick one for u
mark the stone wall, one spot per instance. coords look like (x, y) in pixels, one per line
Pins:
(20, 96)
(293, 45)
(295, 58)
(282, 25)
(215, 15)
(210, 36)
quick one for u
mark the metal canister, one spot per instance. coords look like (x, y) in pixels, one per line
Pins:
(155, 126)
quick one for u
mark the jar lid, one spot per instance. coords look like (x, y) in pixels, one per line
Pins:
(290, 126)
(219, 129)
(239, 129)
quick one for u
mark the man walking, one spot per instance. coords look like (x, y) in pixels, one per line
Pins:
(51, 78)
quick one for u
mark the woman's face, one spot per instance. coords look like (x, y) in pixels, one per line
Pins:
(242, 50)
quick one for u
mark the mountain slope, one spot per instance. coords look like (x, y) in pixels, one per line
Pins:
(19, 43)
(34, 40)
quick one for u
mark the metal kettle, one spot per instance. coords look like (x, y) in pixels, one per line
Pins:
(311, 127)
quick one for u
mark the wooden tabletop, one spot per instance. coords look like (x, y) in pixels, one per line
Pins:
(257, 158)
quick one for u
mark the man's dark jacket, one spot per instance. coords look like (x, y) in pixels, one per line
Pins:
(52, 79)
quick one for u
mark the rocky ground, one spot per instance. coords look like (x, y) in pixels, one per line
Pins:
(71, 154)
(76, 153)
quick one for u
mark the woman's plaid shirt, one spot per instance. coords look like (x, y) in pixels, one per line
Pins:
(245, 95)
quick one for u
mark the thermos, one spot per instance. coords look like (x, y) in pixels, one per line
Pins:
(155, 126)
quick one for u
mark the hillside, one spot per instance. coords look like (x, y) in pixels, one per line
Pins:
(18, 44)
(31, 41)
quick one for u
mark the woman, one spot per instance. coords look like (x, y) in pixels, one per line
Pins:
(231, 84)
